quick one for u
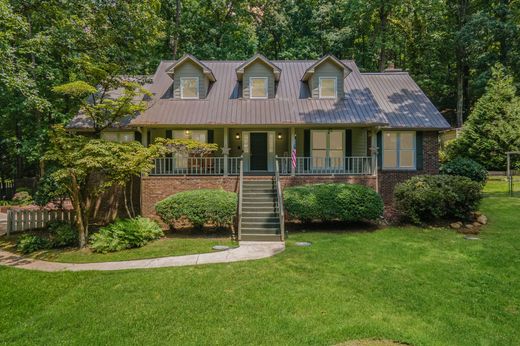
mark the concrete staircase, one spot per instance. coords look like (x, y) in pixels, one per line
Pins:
(260, 214)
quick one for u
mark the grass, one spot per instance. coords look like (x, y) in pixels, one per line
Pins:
(168, 246)
(422, 286)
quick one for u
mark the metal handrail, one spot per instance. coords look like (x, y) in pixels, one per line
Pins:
(280, 199)
(240, 186)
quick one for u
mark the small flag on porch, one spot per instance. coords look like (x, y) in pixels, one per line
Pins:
(293, 153)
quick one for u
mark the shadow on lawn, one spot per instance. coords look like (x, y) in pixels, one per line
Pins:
(332, 227)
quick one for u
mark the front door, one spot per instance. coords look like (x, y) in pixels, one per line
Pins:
(258, 161)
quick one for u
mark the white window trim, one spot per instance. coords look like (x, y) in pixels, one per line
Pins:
(266, 88)
(335, 88)
(182, 88)
(398, 150)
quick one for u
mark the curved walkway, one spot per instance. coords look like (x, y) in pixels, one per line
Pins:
(245, 252)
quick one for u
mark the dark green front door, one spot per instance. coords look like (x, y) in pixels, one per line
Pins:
(258, 161)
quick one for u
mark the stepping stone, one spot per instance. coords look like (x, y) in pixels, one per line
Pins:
(471, 237)
(220, 247)
(303, 243)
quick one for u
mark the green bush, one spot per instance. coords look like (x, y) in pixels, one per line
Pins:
(327, 202)
(62, 234)
(125, 234)
(28, 243)
(200, 207)
(22, 198)
(430, 197)
(465, 167)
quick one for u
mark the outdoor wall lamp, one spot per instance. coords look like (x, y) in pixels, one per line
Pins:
(279, 135)
(237, 136)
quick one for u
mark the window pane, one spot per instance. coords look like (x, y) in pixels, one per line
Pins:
(328, 87)
(199, 136)
(336, 158)
(390, 159)
(390, 140)
(406, 158)
(406, 140)
(319, 139)
(336, 140)
(189, 88)
(258, 87)
(125, 137)
(109, 136)
(318, 158)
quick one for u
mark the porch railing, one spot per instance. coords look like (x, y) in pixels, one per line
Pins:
(196, 166)
(354, 165)
(279, 196)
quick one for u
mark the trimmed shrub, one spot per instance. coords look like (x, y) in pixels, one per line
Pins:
(430, 197)
(125, 234)
(22, 198)
(328, 202)
(62, 234)
(28, 243)
(466, 168)
(200, 207)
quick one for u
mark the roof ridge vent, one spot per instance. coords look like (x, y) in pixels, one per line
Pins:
(391, 68)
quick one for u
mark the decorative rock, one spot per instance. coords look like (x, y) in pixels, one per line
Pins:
(476, 224)
(471, 237)
(303, 243)
(469, 225)
(477, 213)
(456, 225)
(482, 219)
(220, 247)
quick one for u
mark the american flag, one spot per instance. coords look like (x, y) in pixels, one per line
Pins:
(293, 153)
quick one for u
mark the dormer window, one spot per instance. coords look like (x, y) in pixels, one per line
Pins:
(328, 87)
(189, 87)
(258, 87)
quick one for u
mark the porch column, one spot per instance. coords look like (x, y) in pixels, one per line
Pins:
(293, 144)
(225, 150)
(374, 150)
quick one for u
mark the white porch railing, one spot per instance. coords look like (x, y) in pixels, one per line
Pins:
(353, 165)
(196, 166)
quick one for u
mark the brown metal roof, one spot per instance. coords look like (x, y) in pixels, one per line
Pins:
(404, 104)
(391, 99)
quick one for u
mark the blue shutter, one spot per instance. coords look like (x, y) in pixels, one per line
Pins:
(348, 142)
(419, 156)
(211, 136)
(380, 150)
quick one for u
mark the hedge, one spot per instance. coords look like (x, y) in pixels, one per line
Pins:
(430, 197)
(200, 207)
(466, 168)
(328, 202)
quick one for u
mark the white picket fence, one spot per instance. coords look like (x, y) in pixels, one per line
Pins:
(23, 220)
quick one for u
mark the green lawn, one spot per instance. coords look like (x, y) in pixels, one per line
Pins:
(169, 246)
(419, 286)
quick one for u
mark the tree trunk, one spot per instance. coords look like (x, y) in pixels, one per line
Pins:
(175, 43)
(462, 9)
(132, 208)
(383, 17)
(76, 204)
(126, 201)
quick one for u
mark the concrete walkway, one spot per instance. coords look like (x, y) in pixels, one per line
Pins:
(245, 252)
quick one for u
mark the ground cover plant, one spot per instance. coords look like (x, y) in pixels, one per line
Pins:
(421, 286)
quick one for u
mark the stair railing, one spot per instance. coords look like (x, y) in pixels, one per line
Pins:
(240, 193)
(279, 195)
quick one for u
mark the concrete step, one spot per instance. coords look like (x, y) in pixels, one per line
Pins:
(259, 194)
(259, 217)
(260, 214)
(261, 237)
(260, 230)
(247, 224)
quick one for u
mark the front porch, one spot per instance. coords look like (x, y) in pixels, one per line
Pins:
(319, 151)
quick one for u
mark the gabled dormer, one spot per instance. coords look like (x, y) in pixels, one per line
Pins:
(325, 78)
(258, 77)
(191, 78)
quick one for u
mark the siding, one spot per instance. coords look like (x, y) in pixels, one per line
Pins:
(189, 69)
(258, 69)
(326, 69)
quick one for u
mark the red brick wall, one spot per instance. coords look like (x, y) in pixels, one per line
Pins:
(388, 179)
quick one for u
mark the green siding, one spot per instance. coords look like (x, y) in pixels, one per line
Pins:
(189, 69)
(326, 69)
(258, 69)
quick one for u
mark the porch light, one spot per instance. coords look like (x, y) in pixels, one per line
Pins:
(237, 136)
(187, 132)
(279, 135)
